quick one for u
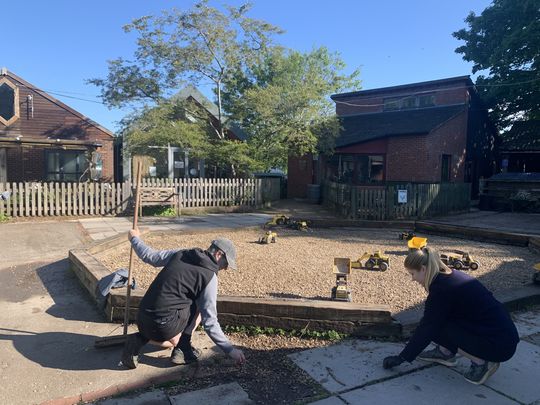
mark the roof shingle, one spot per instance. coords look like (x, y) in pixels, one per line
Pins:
(365, 127)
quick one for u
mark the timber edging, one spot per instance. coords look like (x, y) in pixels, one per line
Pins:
(343, 317)
(354, 319)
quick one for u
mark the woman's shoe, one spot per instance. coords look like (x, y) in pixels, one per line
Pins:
(437, 356)
(478, 374)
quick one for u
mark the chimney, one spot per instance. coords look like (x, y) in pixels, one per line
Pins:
(3, 71)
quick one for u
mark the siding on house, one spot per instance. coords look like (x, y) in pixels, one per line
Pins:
(44, 117)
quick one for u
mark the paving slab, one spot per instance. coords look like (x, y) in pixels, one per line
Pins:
(534, 339)
(438, 385)
(225, 394)
(527, 323)
(329, 401)
(351, 364)
(148, 398)
(518, 377)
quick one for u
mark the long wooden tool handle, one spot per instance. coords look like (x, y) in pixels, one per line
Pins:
(131, 255)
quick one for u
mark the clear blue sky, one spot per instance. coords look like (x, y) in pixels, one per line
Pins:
(58, 44)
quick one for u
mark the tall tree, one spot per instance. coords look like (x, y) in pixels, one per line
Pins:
(199, 45)
(504, 41)
(282, 101)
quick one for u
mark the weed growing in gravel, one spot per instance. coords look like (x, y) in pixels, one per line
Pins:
(159, 211)
(4, 217)
(303, 333)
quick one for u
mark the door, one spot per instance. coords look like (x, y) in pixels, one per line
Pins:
(3, 166)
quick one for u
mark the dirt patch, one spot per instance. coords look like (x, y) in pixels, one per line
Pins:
(268, 377)
(299, 265)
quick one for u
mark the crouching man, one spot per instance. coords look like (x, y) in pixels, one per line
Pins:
(183, 293)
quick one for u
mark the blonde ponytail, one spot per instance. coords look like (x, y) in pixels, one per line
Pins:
(429, 258)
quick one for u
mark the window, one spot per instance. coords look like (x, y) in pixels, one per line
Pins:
(409, 102)
(65, 165)
(446, 167)
(9, 102)
(355, 168)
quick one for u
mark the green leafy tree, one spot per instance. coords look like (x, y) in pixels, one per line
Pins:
(504, 42)
(165, 124)
(200, 45)
(282, 102)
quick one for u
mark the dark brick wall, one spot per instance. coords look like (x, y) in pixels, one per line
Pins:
(418, 158)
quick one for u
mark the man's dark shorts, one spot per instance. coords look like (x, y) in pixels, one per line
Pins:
(165, 328)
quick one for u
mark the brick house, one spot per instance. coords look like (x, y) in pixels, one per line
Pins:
(43, 139)
(428, 132)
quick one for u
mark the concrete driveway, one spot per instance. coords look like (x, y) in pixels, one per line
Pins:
(48, 323)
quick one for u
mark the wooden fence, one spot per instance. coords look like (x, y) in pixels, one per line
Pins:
(76, 199)
(381, 202)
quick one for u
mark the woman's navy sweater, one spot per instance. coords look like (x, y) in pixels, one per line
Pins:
(463, 300)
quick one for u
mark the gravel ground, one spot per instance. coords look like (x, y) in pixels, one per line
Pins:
(299, 265)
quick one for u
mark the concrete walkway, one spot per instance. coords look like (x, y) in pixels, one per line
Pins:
(351, 372)
(105, 227)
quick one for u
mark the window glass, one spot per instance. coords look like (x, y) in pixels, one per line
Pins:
(409, 102)
(391, 104)
(376, 168)
(426, 100)
(446, 167)
(7, 101)
(65, 165)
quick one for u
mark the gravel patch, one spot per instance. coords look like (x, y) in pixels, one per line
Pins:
(299, 265)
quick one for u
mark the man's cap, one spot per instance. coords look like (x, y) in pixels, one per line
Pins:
(227, 247)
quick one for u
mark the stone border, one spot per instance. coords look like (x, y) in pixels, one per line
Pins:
(354, 319)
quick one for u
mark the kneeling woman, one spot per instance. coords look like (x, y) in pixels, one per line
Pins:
(460, 316)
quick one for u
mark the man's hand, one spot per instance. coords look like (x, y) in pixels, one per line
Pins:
(134, 233)
(238, 356)
(392, 361)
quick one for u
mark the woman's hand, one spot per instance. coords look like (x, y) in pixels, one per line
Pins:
(392, 361)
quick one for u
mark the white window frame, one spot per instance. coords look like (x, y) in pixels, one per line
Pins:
(15, 117)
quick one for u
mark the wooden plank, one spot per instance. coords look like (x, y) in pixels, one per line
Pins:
(305, 309)
(85, 197)
(2, 205)
(63, 198)
(21, 200)
(27, 191)
(10, 201)
(57, 198)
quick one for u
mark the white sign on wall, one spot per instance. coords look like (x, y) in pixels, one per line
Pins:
(402, 197)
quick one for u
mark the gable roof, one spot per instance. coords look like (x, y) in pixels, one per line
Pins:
(524, 136)
(365, 127)
(193, 92)
(6, 73)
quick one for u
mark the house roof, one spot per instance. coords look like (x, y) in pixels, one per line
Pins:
(5, 72)
(524, 136)
(458, 79)
(365, 127)
(193, 92)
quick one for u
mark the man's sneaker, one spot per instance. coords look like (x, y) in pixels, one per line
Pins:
(133, 344)
(437, 356)
(478, 374)
(186, 356)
